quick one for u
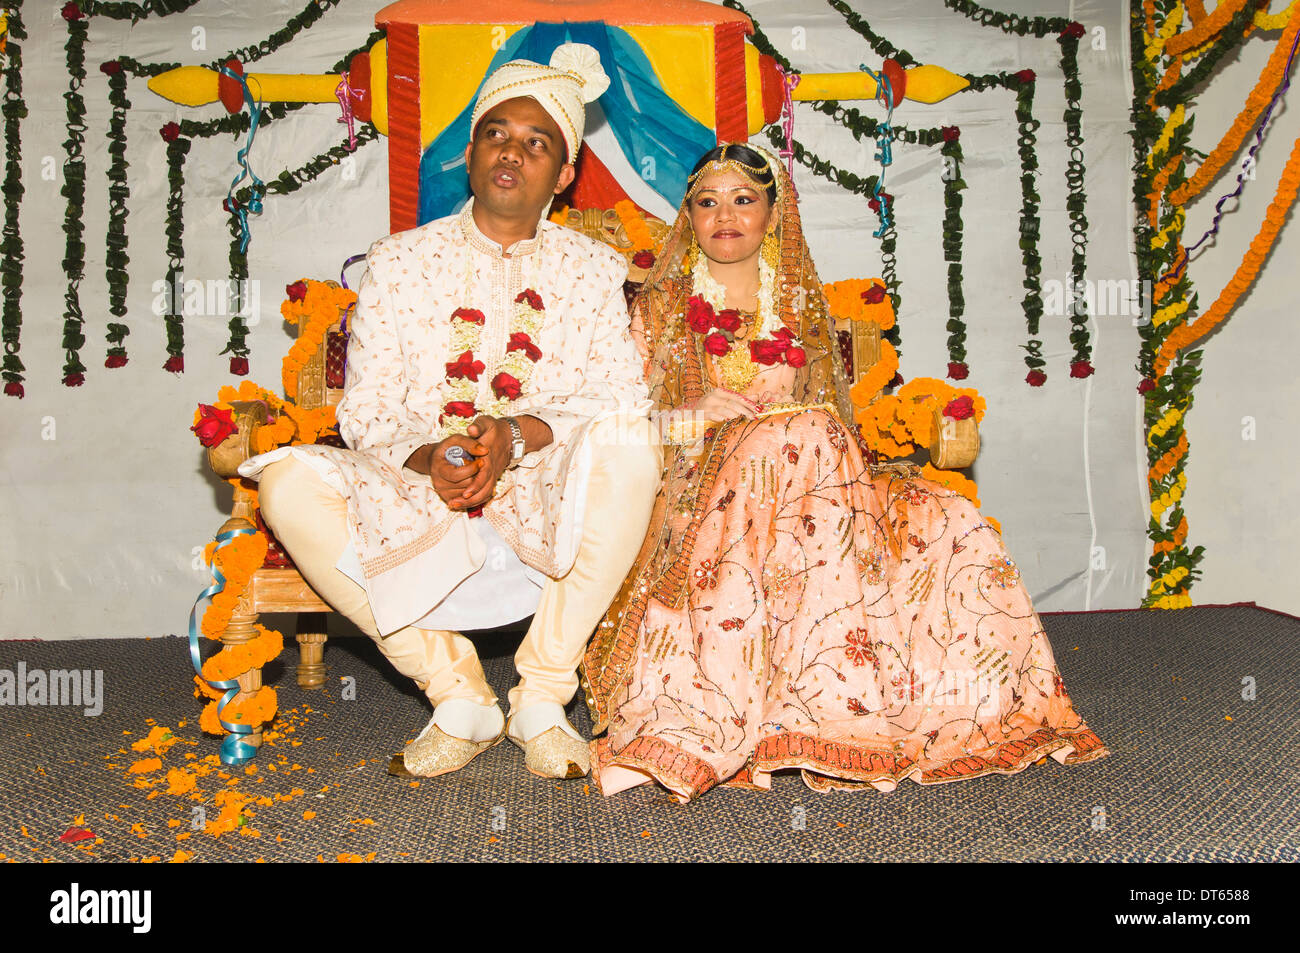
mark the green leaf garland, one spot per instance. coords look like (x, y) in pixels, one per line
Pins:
(15, 111)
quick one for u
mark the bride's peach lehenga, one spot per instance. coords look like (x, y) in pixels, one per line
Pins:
(789, 609)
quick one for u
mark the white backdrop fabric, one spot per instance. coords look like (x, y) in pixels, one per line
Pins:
(105, 497)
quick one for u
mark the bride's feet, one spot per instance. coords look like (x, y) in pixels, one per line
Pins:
(551, 746)
(458, 732)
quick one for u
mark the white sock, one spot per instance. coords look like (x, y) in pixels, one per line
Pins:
(528, 723)
(462, 718)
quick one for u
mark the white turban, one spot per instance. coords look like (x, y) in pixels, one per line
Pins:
(574, 77)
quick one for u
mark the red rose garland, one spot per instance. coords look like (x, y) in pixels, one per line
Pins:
(719, 328)
(521, 355)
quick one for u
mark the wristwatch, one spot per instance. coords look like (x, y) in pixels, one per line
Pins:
(516, 441)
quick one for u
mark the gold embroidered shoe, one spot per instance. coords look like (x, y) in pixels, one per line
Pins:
(554, 753)
(435, 752)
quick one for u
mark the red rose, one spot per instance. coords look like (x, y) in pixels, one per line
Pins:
(796, 357)
(896, 380)
(505, 385)
(465, 366)
(215, 425)
(520, 341)
(296, 291)
(13, 389)
(532, 297)
(1074, 30)
(1025, 76)
(728, 320)
(476, 511)
(71, 12)
(175, 364)
(959, 408)
(699, 315)
(950, 133)
(115, 360)
(874, 295)
(1035, 378)
(767, 351)
(239, 366)
(1146, 385)
(716, 344)
(170, 132)
(1081, 369)
(874, 205)
(74, 380)
(110, 67)
(232, 206)
(643, 259)
(472, 315)
(460, 408)
(958, 371)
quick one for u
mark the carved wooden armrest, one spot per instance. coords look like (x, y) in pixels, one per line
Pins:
(226, 456)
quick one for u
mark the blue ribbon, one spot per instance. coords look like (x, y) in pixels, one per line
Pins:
(885, 145)
(234, 750)
(246, 170)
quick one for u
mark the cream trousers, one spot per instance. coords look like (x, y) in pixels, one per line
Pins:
(310, 520)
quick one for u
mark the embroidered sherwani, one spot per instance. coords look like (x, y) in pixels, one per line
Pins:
(411, 549)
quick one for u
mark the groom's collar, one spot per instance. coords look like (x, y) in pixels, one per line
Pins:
(481, 242)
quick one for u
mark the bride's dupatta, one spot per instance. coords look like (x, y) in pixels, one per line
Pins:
(677, 370)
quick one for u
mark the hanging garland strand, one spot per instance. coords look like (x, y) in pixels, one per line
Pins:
(302, 21)
(178, 148)
(135, 12)
(1008, 22)
(882, 47)
(115, 256)
(953, 185)
(74, 190)
(1080, 338)
(15, 111)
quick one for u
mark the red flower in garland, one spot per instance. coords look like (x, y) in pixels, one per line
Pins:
(72, 13)
(874, 295)
(239, 366)
(959, 408)
(896, 380)
(296, 291)
(1025, 76)
(520, 341)
(170, 132)
(958, 371)
(728, 320)
(110, 67)
(643, 259)
(215, 425)
(1074, 30)
(459, 408)
(115, 360)
(1147, 384)
(532, 297)
(717, 344)
(1035, 378)
(796, 357)
(768, 351)
(950, 133)
(472, 315)
(74, 380)
(465, 366)
(14, 389)
(506, 386)
(699, 315)
(175, 364)
(1081, 369)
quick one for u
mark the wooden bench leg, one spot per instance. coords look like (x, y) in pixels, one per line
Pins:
(239, 631)
(311, 649)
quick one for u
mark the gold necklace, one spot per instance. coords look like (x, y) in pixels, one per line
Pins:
(735, 368)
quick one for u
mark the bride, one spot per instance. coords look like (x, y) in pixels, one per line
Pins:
(791, 608)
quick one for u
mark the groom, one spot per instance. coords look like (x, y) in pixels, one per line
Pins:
(497, 335)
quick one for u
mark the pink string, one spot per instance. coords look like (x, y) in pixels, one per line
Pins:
(344, 92)
(788, 83)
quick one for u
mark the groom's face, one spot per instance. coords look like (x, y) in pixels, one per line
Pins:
(517, 159)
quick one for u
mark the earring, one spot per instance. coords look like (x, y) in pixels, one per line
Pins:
(692, 256)
(771, 250)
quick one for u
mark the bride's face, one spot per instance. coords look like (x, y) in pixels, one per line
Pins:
(729, 216)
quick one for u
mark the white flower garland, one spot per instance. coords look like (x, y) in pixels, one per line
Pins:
(715, 294)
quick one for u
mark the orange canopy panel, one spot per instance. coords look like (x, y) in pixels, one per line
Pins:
(616, 12)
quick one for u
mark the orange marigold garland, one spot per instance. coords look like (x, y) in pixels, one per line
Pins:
(317, 305)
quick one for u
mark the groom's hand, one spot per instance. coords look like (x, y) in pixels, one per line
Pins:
(489, 457)
(449, 481)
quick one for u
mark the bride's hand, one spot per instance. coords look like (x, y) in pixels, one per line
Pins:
(721, 404)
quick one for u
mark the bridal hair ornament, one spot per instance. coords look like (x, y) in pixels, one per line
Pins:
(573, 78)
